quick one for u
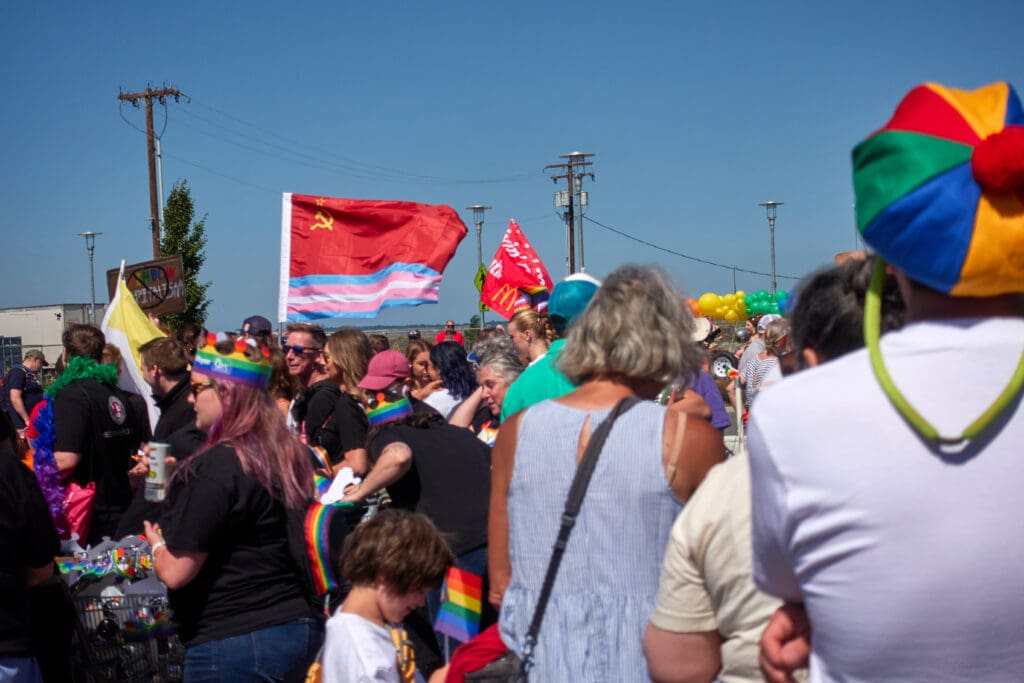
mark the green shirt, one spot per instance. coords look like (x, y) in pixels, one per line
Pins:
(540, 381)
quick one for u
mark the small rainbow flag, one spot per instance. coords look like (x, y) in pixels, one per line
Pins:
(459, 615)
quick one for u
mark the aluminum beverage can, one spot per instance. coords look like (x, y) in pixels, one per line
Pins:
(156, 480)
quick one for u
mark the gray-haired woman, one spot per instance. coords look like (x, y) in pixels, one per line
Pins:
(632, 339)
(498, 366)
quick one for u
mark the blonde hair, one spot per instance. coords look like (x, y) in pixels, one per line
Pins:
(350, 352)
(775, 336)
(529, 319)
(637, 325)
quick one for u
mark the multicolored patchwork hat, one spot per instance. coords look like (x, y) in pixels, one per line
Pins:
(940, 189)
(234, 366)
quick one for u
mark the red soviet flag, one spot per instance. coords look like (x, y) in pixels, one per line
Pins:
(515, 270)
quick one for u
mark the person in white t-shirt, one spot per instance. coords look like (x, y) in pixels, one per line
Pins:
(392, 560)
(883, 509)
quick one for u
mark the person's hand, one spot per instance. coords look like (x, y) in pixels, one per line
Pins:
(785, 643)
(353, 494)
(154, 535)
(140, 469)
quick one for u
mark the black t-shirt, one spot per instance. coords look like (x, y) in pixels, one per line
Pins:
(449, 481)
(175, 411)
(315, 411)
(249, 580)
(98, 422)
(27, 539)
(31, 392)
(350, 423)
(177, 427)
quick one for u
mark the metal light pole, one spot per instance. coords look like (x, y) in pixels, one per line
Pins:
(478, 219)
(770, 207)
(90, 246)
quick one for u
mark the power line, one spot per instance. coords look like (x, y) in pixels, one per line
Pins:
(222, 175)
(686, 256)
(342, 164)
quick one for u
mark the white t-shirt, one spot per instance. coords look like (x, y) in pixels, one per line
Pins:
(357, 650)
(909, 559)
(443, 402)
(706, 582)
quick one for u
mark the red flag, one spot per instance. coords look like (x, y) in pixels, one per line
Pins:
(352, 257)
(515, 270)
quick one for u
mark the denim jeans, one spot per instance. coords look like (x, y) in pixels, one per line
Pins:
(275, 653)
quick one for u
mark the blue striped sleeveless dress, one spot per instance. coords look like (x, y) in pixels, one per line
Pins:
(608, 579)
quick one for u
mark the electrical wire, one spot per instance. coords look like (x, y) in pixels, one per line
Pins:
(347, 165)
(222, 175)
(687, 256)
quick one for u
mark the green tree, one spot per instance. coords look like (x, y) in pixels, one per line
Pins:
(182, 235)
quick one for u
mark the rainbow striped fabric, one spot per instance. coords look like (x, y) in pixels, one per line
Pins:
(459, 614)
(940, 189)
(353, 257)
(317, 533)
(383, 411)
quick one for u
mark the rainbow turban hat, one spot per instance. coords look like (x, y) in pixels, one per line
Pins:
(940, 189)
(234, 366)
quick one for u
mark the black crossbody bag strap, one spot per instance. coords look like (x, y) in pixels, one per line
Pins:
(572, 508)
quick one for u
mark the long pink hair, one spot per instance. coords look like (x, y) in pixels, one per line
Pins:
(252, 424)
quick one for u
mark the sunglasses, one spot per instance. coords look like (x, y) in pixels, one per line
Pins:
(197, 387)
(297, 350)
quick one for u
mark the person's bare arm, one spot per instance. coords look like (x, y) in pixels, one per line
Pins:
(690, 403)
(702, 449)
(499, 565)
(462, 416)
(176, 568)
(394, 461)
(18, 402)
(682, 657)
(66, 460)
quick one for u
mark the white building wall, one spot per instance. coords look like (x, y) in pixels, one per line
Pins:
(41, 327)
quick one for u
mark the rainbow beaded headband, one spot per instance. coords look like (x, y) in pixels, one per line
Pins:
(233, 367)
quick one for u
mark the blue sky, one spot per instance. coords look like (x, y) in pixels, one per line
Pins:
(696, 111)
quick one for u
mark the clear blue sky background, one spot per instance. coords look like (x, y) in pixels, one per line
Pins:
(696, 111)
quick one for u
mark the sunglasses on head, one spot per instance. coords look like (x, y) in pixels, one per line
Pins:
(197, 387)
(297, 350)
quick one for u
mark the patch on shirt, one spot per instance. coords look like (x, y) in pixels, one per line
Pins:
(117, 412)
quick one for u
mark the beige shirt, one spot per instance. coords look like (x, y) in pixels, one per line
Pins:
(706, 582)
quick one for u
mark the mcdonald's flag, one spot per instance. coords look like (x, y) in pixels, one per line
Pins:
(515, 273)
(352, 257)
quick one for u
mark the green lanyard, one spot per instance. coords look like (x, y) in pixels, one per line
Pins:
(872, 326)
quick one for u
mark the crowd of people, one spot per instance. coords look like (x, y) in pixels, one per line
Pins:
(576, 464)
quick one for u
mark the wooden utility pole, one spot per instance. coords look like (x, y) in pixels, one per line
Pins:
(161, 95)
(574, 200)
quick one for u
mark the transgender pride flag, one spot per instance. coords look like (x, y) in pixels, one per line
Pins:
(349, 258)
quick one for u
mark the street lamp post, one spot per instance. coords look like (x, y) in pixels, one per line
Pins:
(90, 246)
(770, 208)
(478, 219)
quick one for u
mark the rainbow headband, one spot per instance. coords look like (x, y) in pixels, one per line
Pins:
(232, 367)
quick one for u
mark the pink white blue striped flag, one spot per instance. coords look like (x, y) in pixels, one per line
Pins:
(349, 258)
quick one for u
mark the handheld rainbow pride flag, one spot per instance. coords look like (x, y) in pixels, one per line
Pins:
(459, 615)
(383, 411)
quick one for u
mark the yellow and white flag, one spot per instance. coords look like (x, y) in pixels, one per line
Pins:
(126, 326)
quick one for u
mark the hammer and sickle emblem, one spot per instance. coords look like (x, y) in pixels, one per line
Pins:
(324, 220)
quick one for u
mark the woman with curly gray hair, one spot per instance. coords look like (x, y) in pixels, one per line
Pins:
(498, 365)
(632, 339)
